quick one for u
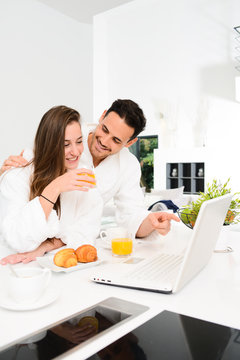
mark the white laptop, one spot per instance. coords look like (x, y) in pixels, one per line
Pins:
(168, 273)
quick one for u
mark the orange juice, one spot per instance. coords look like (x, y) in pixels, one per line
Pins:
(91, 175)
(122, 246)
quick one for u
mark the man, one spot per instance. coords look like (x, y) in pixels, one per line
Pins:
(117, 170)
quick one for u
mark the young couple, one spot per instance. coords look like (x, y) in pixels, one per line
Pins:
(50, 199)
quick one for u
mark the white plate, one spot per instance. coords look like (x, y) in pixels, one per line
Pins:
(47, 261)
(47, 298)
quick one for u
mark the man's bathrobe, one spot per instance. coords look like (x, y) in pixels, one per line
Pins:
(118, 177)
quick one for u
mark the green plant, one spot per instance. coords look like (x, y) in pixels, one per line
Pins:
(214, 190)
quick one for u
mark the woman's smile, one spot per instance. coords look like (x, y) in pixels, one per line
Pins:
(75, 158)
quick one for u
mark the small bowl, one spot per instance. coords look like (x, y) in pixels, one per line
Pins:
(230, 217)
(188, 219)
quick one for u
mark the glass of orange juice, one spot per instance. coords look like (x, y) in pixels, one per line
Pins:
(119, 239)
(92, 179)
(122, 246)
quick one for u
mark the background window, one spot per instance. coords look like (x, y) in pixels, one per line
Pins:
(143, 150)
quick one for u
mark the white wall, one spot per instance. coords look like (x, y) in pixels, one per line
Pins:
(46, 60)
(176, 59)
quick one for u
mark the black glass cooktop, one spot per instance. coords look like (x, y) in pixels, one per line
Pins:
(171, 336)
(167, 336)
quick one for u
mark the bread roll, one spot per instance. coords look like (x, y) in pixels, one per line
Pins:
(86, 253)
(65, 258)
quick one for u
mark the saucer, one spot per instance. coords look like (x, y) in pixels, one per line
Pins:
(102, 244)
(47, 298)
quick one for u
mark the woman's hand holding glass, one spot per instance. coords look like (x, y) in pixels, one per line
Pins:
(77, 179)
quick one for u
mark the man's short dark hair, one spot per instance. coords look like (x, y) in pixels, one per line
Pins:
(131, 113)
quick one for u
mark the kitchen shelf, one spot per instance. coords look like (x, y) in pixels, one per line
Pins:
(189, 175)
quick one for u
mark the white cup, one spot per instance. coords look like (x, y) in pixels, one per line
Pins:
(108, 234)
(119, 239)
(29, 285)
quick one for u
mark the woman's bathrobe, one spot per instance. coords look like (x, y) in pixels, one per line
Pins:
(23, 225)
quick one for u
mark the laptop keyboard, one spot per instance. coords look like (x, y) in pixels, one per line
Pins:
(162, 267)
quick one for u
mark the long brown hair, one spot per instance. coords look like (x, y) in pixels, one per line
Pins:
(48, 158)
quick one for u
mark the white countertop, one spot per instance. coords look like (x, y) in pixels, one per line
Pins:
(213, 295)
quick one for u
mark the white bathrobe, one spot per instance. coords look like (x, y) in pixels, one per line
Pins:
(23, 225)
(118, 177)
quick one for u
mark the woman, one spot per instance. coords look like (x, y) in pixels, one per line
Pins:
(46, 204)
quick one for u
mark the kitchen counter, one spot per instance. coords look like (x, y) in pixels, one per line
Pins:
(213, 295)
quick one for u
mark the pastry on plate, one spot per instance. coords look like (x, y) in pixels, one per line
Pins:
(65, 258)
(86, 253)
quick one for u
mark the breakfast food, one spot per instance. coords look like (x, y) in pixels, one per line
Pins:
(70, 261)
(89, 320)
(86, 253)
(70, 257)
(65, 258)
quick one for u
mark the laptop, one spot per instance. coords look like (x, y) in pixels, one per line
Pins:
(168, 273)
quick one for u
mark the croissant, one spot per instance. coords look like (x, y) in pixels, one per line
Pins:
(86, 253)
(65, 258)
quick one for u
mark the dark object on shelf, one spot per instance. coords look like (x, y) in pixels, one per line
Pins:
(189, 175)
